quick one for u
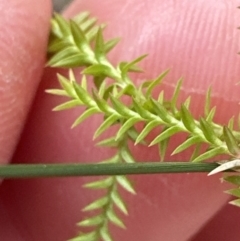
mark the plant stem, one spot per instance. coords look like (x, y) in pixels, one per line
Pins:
(77, 169)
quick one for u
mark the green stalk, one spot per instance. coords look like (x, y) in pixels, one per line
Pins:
(76, 169)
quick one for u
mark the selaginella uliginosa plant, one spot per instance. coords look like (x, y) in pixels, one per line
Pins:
(80, 43)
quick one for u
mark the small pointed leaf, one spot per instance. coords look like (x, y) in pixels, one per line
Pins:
(57, 92)
(149, 127)
(92, 236)
(235, 202)
(115, 219)
(231, 141)
(122, 109)
(126, 184)
(105, 235)
(99, 46)
(210, 153)
(99, 203)
(110, 142)
(186, 144)
(234, 192)
(87, 113)
(161, 111)
(119, 202)
(165, 134)
(162, 147)
(105, 125)
(100, 184)
(156, 82)
(99, 70)
(127, 125)
(91, 222)
(63, 24)
(79, 37)
(187, 119)
(234, 179)
(176, 94)
(84, 96)
(211, 115)
(209, 133)
(207, 102)
(66, 85)
(68, 105)
(126, 154)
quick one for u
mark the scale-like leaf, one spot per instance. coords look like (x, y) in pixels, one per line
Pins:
(209, 133)
(122, 109)
(91, 236)
(176, 94)
(87, 113)
(99, 203)
(234, 192)
(149, 127)
(99, 49)
(231, 141)
(87, 25)
(58, 45)
(141, 111)
(62, 24)
(115, 219)
(125, 183)
(104, 233)
(155, 83)
(118, 201)
(162, 147)
(66, 85)
(109, 142)
(207, 102)
(235, 202)
(62, 55)
(105, 125)
(133, 134)
(165, 134)
(99, 70)
(91, 34)
(161, 111)
(57, 92)
(187, 102)
(76, 60)
(186, 144)
(103, 105)
(79, 38)
(209, 154)
(67, 105)
(113, 159)
(126, 126)
(128, 66)
(196, 151)
(81, 17)
(83, 95)
(234, 179)
(100, 184)
(211, 114)
(126, 154)
(90, 222)
(187, 119)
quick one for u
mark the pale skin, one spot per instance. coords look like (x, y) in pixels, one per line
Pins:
(198, 41)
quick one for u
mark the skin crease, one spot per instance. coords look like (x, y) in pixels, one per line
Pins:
(198, 41)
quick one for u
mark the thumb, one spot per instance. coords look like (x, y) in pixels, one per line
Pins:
(23, 40)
